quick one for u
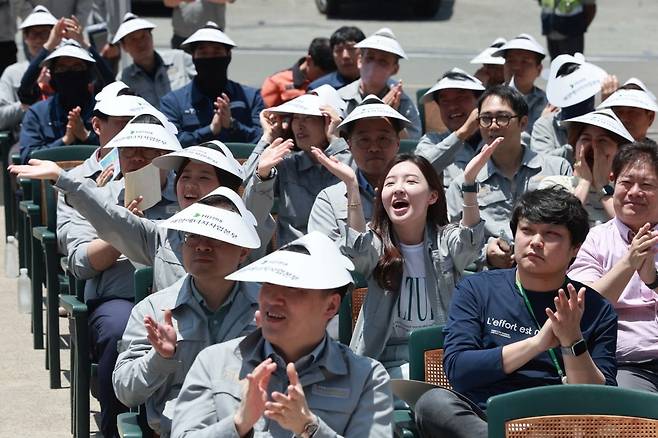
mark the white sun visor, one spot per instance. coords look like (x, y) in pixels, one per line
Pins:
(144, 135)
(310, 262)
(111, 90)
(373, 107)
(209, 33)
(307, 104)
(215, 154)
(567, 89)
(523, 41)
(603, 118)
(631, 98)
(384, 40)
(40, 16)
(329, 96)
(487, 55)
(122, 106)
(459, 80)
(215, 223)
(131, 23)
(638, 83)
(71, 49)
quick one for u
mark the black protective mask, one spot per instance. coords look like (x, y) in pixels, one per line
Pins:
(72, 88)
(211, 74)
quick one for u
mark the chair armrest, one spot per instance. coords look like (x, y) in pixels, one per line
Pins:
(127, 425)
(16, 159)
(43, 235)
(29, 208)
(72, 305)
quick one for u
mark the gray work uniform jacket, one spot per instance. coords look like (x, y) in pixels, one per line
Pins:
(447, 154)
(536, 101)
(65, 212)
(549, 138)
(141, 375)
(350, 394)
(350, 93)
(448, 251)
(174, 70)
(329, 212)
(497, 194)
(11, 112)
(297, 183)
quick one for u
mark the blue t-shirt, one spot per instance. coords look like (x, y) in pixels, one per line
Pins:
(487, 312)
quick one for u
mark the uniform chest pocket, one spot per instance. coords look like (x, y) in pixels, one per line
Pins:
(334, 405)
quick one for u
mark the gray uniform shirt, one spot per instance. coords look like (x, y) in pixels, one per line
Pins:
(175, 70)
(448, 251)
(61, 8)
(497, 194)
(141, 375)
(350, 394)
(536, 101)
(350, 93)
(297, 183)
(447, 153)
(65, 213)
(188, 17)
(329, 212)
(549, 138)
(11, 112)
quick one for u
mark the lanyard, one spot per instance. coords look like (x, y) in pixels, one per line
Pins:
(551, 351)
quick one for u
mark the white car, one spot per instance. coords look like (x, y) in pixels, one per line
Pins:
(422, 8)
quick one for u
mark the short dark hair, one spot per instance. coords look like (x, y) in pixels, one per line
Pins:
(553, 205)
(510, 95)
(458, 76)
(320, 53)
(345, 34)
(644, 151)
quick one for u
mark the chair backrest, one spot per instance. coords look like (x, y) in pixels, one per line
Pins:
(241, 151)
(358, 297)
(143, 283)
(421, 107)
(426, 356)
(346, 316)
(408, 146)
(573, 410)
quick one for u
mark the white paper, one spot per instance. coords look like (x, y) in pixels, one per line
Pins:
(144, 182)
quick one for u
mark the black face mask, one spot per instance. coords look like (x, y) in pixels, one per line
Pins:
(211, 74)
(72, 88)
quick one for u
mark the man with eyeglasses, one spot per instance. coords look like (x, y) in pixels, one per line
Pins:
(168, 329)
(513, 170)
(456, 94)
(294, 81)
(346, 57)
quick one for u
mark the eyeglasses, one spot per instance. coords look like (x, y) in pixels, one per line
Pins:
(501, 120)
(193, 239)
(146, 153)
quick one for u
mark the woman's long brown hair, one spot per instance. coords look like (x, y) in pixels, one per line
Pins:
(389, 269)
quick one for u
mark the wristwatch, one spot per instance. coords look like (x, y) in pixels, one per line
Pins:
(653, 285)
(576, 349)
(310, 428)
(607, 190)
(470, 188)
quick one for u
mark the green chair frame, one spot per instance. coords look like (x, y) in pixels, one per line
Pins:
(408, 146)
(568, 400)
(420, 341)
(6, 141)
(241, 151)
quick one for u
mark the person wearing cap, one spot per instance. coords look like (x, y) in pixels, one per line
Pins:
(565, 24)
(65, 29)
(513, 169)
(523, 56)
(572, 87)
(635, 108)
(492, 71)
(151, 74)
(409, 214)
(618, 259)
(167, 329)
(188, 16)
(346, 57)
(505, 326)
(36, 29)
(213, 106)
(288, 377)
(379, 61)
(456, 94)
(372, 132)
(296, 178)
(294, 81)
(597, 136)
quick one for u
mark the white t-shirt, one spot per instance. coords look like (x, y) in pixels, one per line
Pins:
(413, 307)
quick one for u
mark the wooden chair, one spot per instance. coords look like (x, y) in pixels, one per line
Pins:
(426, 356)
(562, 411)
(350, 308)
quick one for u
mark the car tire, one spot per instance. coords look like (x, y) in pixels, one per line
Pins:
(426, 8)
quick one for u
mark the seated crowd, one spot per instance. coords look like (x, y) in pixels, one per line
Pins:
(547, 200)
